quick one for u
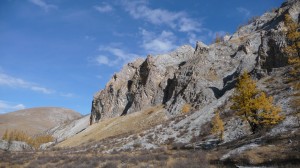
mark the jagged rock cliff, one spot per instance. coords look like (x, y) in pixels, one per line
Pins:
(197, 76)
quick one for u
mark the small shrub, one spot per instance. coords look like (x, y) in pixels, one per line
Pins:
(178, 146)
(186, 108)
(151, 138)
(161, 157)
(218, 126)
(218, 38)
(170, 141)
(137, 145)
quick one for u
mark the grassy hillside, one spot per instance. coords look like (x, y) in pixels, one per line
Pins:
(132, 123)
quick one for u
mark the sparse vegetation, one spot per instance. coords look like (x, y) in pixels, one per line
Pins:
(293, 39)
(34, 141)
(253, 105)
(195, 159)
(218, 38)
(81, 158)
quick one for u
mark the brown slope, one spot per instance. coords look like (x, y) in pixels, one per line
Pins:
(36, 120)
(118, 126)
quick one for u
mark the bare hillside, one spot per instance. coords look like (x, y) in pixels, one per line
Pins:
(36, 120)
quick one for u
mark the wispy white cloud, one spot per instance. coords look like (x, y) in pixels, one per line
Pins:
(101, 59)
(189, 25)
(41, 89)
(11, 81)
(104, 8)
(14, 82)
(44, 5)
(114, 55)
(193, 38)
(176, 20)
(160, 43)
(245, 12)
(8, 106)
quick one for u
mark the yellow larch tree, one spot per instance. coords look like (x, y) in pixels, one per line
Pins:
(268, 113)
(293, 39)
(218, 126)
(253, 105)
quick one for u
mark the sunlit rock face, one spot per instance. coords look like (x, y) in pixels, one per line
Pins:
(200, 75)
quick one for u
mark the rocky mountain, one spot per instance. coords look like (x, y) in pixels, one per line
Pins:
(202, 80)
(197, 76)
(36, 120)
(158, 111)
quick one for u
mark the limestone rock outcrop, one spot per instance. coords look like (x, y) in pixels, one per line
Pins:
(64, 131)
(14, 146)
(197, 76)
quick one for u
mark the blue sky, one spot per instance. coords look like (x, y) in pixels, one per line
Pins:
(60, 52)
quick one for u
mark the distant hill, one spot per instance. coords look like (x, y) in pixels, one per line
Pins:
(36, 120)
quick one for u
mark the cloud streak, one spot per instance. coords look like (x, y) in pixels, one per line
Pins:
(156, 44)
(42, 4)
(112, 55)
(172, 22)
(104, 8)
(7, 107)
(245, 12)
(7, 80)
(13, 82)
(176, 20)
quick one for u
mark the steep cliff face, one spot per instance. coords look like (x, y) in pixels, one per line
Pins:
(197, 76)
(140, 84)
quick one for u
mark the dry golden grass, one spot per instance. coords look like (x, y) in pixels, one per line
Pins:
(263, 154)
(131, 123)
(34, 141)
